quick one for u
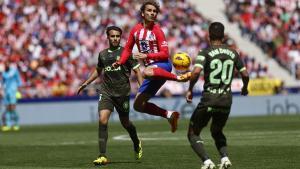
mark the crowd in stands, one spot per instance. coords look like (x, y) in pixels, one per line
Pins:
(55, 43)
(272, 24)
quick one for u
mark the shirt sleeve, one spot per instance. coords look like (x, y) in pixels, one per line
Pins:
(163, 49)
(239, 63)
(132, 63)
(127, 51)
(99, 64)
(200, 59)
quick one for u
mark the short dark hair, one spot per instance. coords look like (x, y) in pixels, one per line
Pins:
(216, 31)
(113, 28)
(150, 2)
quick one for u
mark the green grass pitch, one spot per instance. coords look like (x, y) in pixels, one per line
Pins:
(267, 142)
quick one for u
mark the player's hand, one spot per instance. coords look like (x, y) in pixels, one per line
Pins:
(189, 96)
(81, 87)
(244, 91)
(116, 64)
(139, 55)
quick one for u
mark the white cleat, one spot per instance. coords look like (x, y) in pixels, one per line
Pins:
(208, 164)
(225, 163)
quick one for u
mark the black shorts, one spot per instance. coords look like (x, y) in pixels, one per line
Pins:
(203, 114)
(120, 103)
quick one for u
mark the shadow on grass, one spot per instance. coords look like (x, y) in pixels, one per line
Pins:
(116, 163)
(124, 162)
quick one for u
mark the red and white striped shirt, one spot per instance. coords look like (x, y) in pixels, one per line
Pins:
(150, 41)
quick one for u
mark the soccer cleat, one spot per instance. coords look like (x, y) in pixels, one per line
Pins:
(101, 160)
(138, 151)
(225, 163)
(5, 128)
(184, 77)
(173, 120)
(208, 164)
(16, 128)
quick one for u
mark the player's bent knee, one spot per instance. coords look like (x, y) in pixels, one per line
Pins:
(193, 138)
(191, 134)
(138, 106)
(103, 121)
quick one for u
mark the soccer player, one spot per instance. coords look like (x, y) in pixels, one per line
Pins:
(11, 82)
(218, 63)
(153, 50)
(114, 92)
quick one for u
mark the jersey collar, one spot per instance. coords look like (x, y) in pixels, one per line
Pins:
(110, 51)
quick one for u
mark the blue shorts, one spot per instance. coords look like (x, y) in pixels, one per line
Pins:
(151, 86)
(10, 98)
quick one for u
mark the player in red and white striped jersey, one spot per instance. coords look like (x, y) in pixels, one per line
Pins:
(153, 50)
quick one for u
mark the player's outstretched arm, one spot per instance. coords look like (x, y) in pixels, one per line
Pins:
(245, 79)
(194, 78)
(91, 78)
(127, 51)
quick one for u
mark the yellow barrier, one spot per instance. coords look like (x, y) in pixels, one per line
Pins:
(264, 86)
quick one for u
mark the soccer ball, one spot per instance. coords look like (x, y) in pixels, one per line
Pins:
(181, 61)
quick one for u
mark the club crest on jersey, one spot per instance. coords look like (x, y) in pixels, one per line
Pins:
(144, 46)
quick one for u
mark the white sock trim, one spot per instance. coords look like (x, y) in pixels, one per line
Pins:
(208, 161)
(224, 159)
(169, 113)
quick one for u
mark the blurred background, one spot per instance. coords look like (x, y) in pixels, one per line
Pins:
(55, 45)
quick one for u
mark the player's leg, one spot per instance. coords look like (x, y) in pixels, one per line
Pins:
(7, 113)
(3, 123)
(7, 124)
(162, 71)
(198, 121)
(219, 119)
(105, 107)
(102, 137)
(141, 103)
(14, 117)
(13, 110)
(131, 129)
(122, 107)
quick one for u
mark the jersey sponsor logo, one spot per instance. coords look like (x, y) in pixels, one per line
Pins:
(111, 69)
(144, 46)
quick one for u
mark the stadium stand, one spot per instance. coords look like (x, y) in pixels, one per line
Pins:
(55, 43)
(272, 25)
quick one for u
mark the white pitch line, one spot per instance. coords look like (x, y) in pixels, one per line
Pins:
(125, 137)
